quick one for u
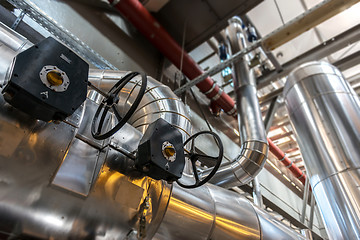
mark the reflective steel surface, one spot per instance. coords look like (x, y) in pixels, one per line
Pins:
(11, 43)
(211, 212)
(158, 102)
(325, 112)
(254, 147)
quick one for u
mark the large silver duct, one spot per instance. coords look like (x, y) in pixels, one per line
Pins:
(56, 182)
(254, 148)
(211, 212)
(325, 114)
(158, 101)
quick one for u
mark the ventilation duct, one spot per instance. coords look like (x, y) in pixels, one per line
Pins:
(325, 111)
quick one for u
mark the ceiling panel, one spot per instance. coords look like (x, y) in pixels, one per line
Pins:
(204, 18)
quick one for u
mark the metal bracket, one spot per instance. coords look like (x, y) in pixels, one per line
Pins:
(18, 20)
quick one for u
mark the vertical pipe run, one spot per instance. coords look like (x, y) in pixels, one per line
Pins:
(254, 148)
(325, 111)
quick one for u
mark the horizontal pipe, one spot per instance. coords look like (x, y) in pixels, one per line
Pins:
(211, 212)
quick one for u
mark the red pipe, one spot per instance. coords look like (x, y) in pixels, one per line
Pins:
(287, 162)
(137, 14)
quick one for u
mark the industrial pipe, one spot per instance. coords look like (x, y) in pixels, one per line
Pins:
(281, 156)
(254, 148)
(34, 205)
(137, 14)
(324, 111)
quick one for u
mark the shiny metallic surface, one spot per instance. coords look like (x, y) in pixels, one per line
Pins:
(272, 229)
(76, 173)
(31, 207)
(254, 147)
(11, 43)
(235, 219)
(190, 215)
(158, 102)
(325, 112)
(211, 212)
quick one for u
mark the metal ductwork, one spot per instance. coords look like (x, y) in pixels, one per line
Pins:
(90, 200)
(254, 148)
(158, 102)
(324, 112)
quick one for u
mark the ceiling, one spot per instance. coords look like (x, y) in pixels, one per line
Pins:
(199, 19)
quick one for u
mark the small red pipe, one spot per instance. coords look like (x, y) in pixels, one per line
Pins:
(137, 14)
(284, 160)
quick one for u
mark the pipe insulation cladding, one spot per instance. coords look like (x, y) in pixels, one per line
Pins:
(254, 148)
(325, 111)
(33, 204)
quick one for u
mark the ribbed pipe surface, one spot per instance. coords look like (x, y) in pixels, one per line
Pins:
(325, 111)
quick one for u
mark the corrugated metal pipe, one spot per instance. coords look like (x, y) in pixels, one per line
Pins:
(254, 147)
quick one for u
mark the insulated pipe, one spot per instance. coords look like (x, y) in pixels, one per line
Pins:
(324, 111)
(254, 148)
(158, 101)
(44, 211)
(281, 156)
(211, 212)
(137, 14)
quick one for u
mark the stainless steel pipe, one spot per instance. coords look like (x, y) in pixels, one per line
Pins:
(325, 112)
(211, 212)
(254, 148)
(32, 206)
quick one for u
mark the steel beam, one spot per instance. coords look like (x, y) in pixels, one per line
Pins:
(323, 50)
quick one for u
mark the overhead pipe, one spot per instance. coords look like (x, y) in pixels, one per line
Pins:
(281, 156)
(137, 14)
(254, 148)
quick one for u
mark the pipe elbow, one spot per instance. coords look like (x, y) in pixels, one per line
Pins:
(246, 166)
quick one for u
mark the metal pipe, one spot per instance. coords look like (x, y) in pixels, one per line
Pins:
(158, 101)
(286, 161)
(211, 212)
(137, 14)
(312, 210)
(254, 147)
(258, 201)
(305, 200)
(325, 111)
(202, 213)
(113, 206)
(134, 11)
